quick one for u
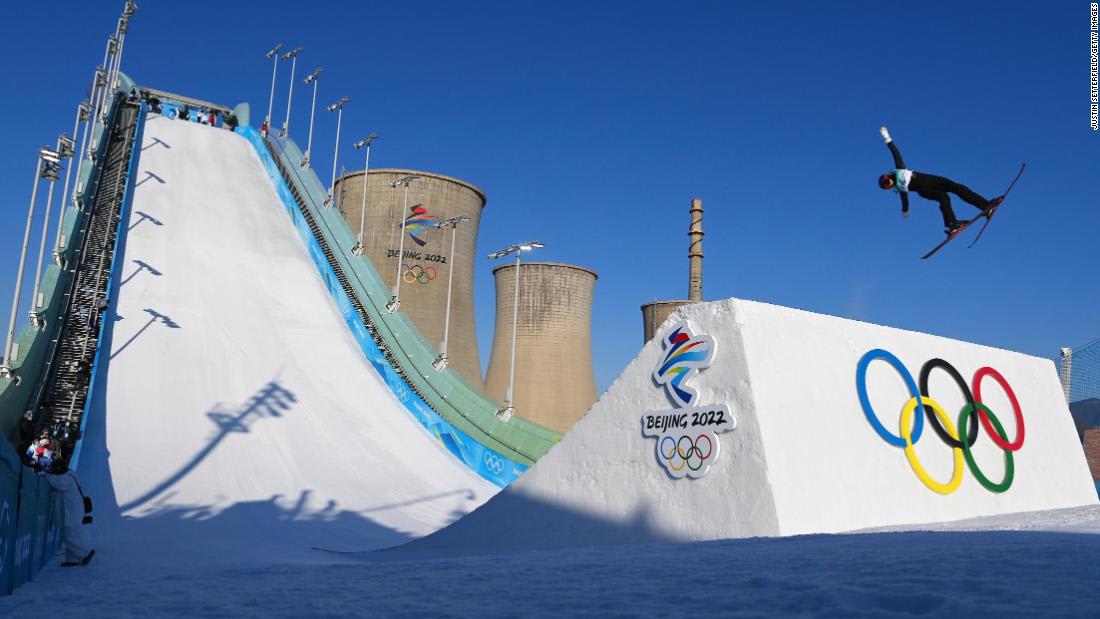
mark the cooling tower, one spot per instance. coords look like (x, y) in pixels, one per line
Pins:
(427, 262)
(554, 384)
(653, 314)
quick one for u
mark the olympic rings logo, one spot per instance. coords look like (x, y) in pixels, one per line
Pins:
(418, 274)
(493, 463)
(912, 423)
(685, 451)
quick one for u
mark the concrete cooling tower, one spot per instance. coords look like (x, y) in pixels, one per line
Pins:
(554, 383)
(427, 262)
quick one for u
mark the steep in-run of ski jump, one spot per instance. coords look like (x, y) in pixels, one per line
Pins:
(235, 415)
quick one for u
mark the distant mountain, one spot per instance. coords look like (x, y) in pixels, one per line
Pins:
(1086, 414)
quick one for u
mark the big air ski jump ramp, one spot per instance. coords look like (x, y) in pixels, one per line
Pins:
(232, 380)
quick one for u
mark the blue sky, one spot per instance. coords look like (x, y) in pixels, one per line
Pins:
(591, 126)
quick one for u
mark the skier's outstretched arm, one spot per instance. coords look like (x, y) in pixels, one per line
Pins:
(898, 161)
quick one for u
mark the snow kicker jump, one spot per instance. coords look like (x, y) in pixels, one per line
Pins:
(743, 419)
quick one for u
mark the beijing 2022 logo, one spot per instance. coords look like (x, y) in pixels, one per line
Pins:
(959, 437)
(687, 441)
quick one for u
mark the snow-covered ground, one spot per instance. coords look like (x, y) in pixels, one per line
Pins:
(1041, 564)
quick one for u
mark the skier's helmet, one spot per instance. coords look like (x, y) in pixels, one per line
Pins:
(886, 181)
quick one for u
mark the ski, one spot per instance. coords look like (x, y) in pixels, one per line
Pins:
(993, 211)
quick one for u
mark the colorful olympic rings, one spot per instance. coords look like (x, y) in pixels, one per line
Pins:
(985, 413)
(910, 427)
(865, 402)
(925, 372)
(418, 274)
(911, 454)
(679, 455)
(1002, 443)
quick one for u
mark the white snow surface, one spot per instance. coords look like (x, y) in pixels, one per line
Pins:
(1041, 564)
(237, 420)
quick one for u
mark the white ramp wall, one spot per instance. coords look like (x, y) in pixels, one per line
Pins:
(829, 469)
(236, 409)
(803, 457)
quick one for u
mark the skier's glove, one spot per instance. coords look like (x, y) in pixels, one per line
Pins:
(885, 134)
(905, 214)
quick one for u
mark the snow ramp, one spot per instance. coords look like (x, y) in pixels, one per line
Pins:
(744, 419)
(236, 416)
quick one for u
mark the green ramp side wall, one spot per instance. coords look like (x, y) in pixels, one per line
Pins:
(446, 392)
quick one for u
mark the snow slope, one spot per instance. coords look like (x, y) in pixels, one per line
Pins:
(236, 416)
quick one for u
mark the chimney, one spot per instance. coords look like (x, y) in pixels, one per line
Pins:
(695, 252)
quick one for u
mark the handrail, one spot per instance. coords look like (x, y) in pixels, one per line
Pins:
(127, 196)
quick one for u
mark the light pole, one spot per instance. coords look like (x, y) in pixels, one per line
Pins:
(292, 56)
(82, 115)
(358, 249)
(98, 85)
(440, 362)
(312, 77)
(395, 301)
(123, 25)
(39, 173)
(509, 409)
(112, 49)
(337, 107)
(50, 173)
(274, 53)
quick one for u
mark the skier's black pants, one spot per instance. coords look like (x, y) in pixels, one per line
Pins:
(936, 188)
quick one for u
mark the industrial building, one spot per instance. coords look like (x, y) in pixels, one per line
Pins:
(426, 263)
(554, 382)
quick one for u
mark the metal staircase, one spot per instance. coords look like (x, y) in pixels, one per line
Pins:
(68, 370)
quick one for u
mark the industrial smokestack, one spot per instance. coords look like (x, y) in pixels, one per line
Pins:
(655, 313)
(695, 252)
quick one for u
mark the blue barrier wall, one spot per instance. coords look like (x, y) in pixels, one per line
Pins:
(28, 536)
(486, 462)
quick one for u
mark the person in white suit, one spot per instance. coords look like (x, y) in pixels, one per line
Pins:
(68, 509)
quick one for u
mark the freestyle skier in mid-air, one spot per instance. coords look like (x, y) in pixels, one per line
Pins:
(930, 187)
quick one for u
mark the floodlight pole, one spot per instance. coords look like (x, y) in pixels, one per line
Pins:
(367, 141)
(123, 25)
(292, 56)
(312, 77)
(274, 53)
(5, 365)
(441, 361)
(81, 115)
(509, 409)
(395, 301)
(109, 69)
(50, 174)
(338, 107)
